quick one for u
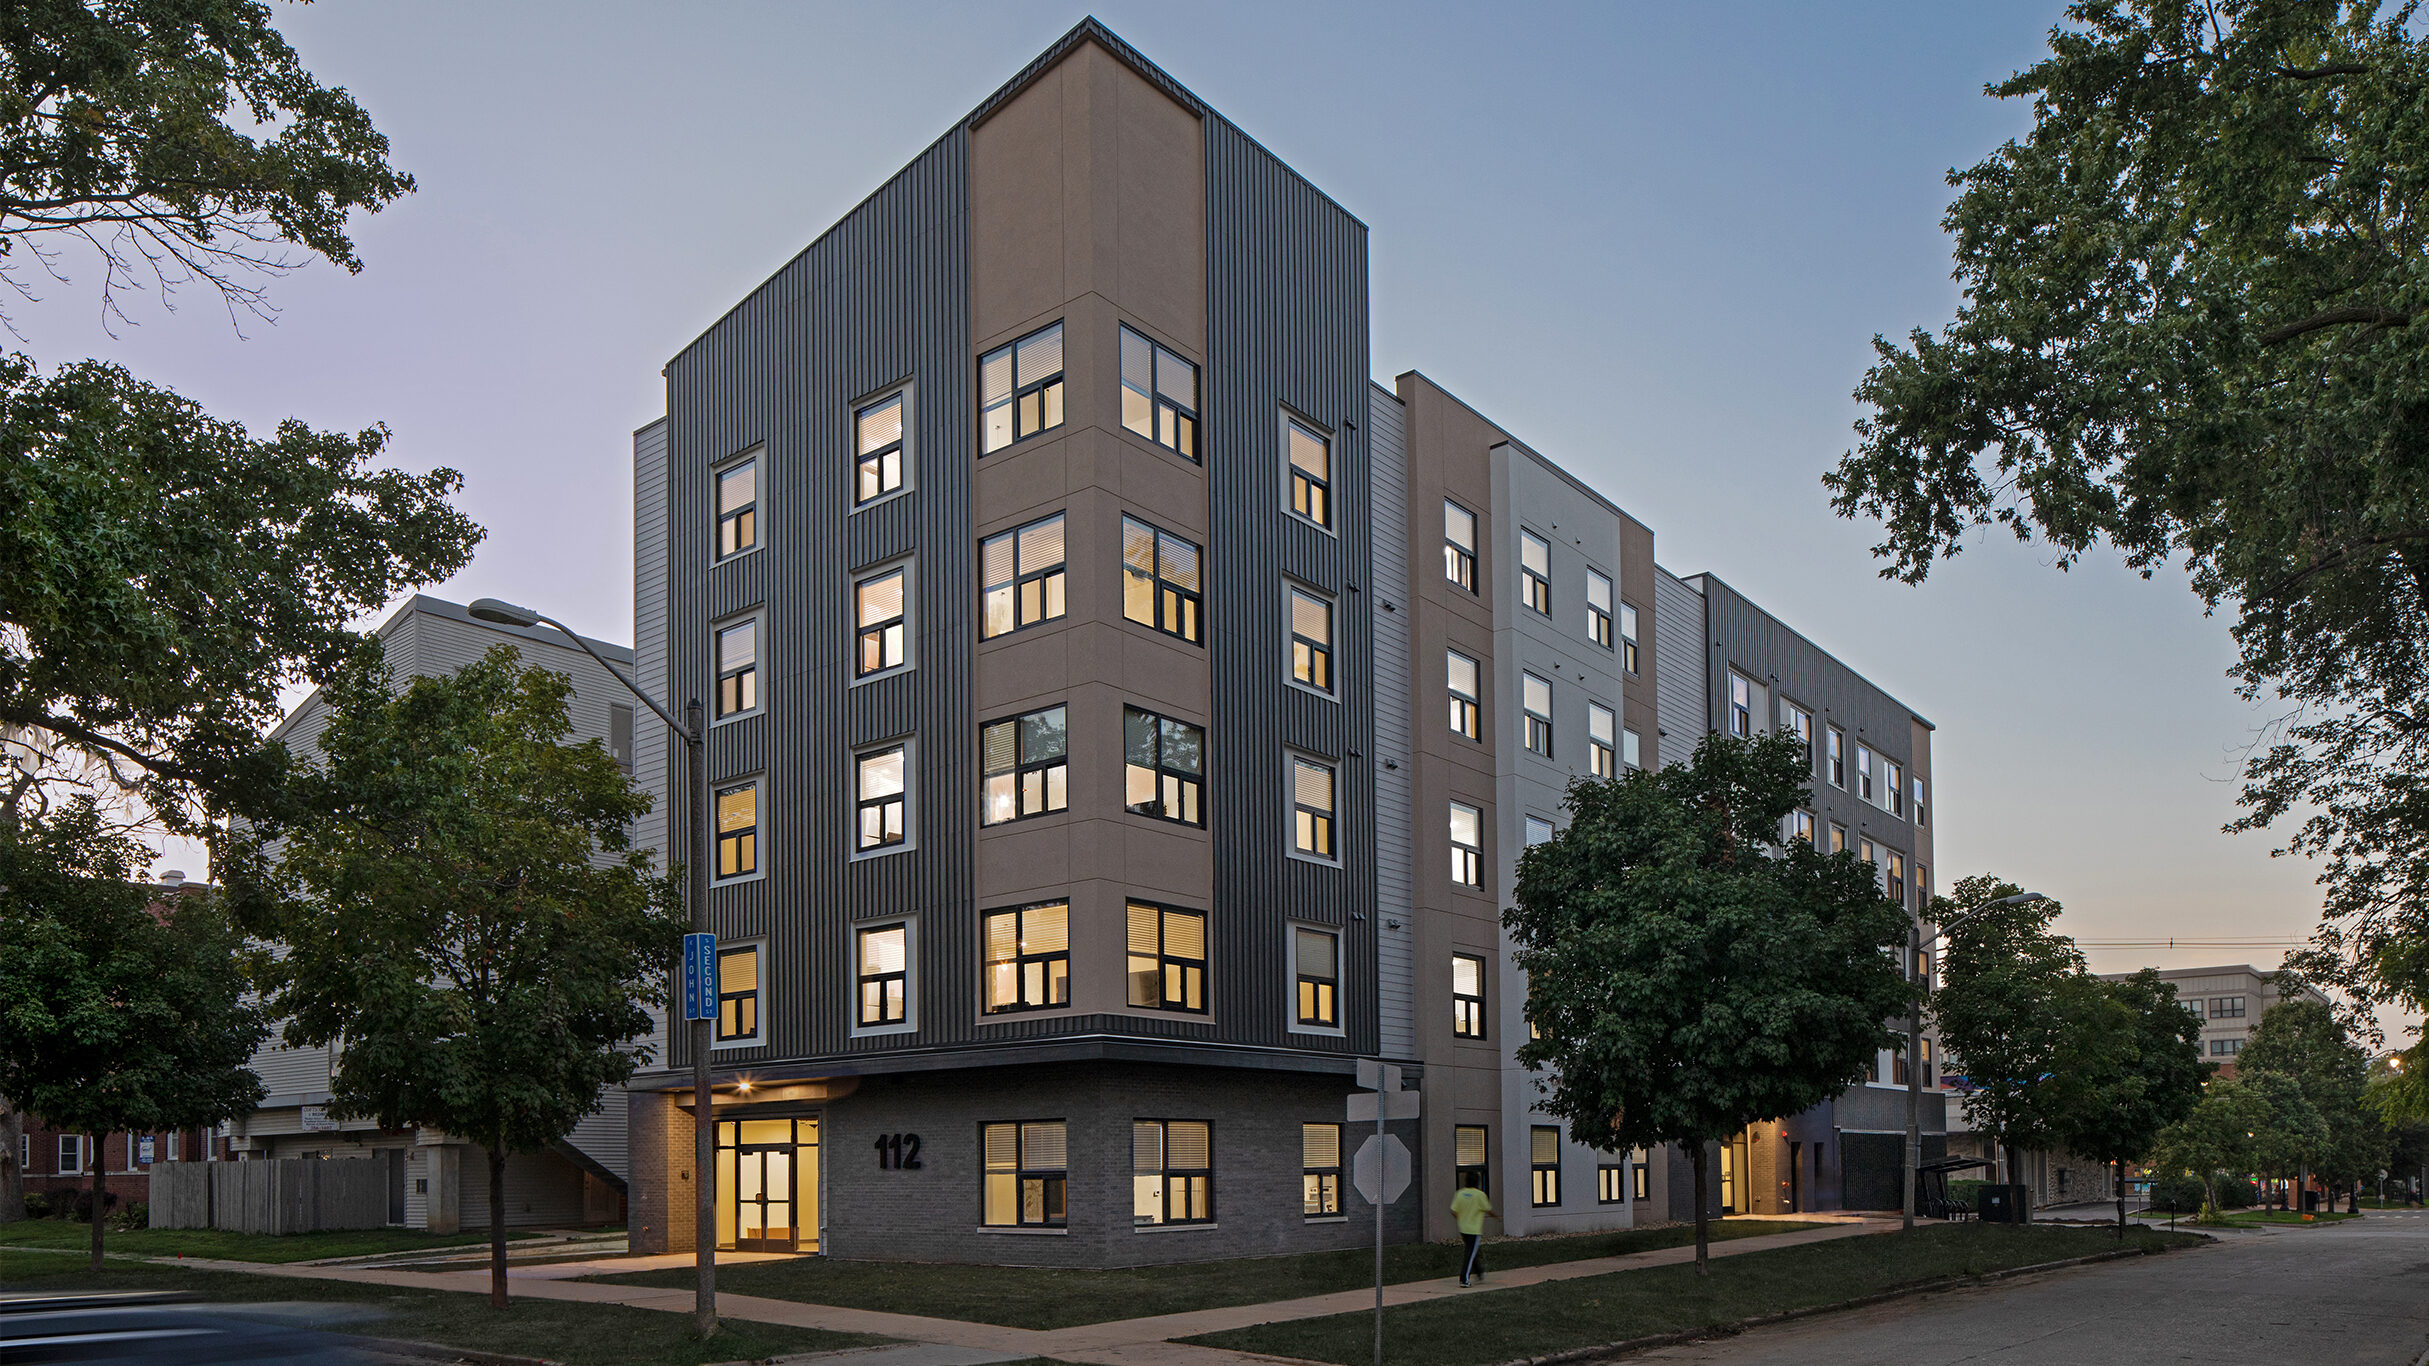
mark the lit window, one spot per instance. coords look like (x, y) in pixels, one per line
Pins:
(1172, 1171)
(1311, 640)
(1311, 472)
(1311, 795)
(878, 605)
(737, 507)
(1741, 705)
(1598, 608)
(1467, 845)
(1838, 838)
(1602, 740)
(1631, 750)
(1465, 698)
(1535, 572)
(1894, 877)
(1167, 958)
(1838, 757)
(1800, 725)
(1467, 996)
(1863, 771)
(1459, 545)
(877, 432)
(1893, 786)
(884, 786)
(738, 668)
(1020, 389)
(1800, 826)
(1469, 1167)
(1536, 699)
(1160, 580)
(1028, 964)
(1022, 766)
(1610, 1183)
(1539, 831)
(885, 975)
(1020, 575)
(1163, 767)
(1317, 956)
(1159, 394)
(738, 831)
(1641, 1180)
(1627, 637)
(1543, 1163)
(738, 993)
(1024, 1181)
(1320, 1170)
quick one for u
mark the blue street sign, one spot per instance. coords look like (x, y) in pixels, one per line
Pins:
(699, 977)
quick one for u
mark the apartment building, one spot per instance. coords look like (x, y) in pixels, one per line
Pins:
(434, 1180)
(2229, 1001)
(1126, 716)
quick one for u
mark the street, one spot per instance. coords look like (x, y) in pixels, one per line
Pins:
(2349, 1293)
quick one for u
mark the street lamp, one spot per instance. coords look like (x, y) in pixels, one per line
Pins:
(704, 1133)
(1915, 945)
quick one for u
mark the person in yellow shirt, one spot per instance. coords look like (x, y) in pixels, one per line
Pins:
(1469, 1206)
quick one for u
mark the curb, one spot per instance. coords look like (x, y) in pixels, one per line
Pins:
(431, 1351)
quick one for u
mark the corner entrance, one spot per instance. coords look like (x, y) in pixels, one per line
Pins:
(767, 1185)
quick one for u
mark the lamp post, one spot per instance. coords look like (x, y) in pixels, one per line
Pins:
(704, 1133)
(1916, 943)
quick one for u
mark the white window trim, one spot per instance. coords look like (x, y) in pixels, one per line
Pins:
(1290, 971)
(1332, 651)
(758, 617)
(910, 978)
(909, 566)
(759, 844)
(1290, 808)
(909, 745)
(758, 1038)
(910, 443)
(757, 450)
(1333, 482)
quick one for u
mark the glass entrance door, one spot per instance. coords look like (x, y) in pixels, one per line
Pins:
(763, 1196)
(767, 1176)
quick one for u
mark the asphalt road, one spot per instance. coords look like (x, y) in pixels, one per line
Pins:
(2355, 1292)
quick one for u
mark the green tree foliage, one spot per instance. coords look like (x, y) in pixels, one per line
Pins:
(119, 1009)
(2223, 1135)
(2304, 1042)
(2009, 991)
(461, 905)
(2129, 1067)
(1688, 973)
(2192, 324)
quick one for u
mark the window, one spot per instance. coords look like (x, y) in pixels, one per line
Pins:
(738, 831)
(877, 432)
(1598, 608)
(1918, 801)
(1893, 786)
(1800, 826)
(1022, 766)
(71, 1154)
(1539, 831)
(1543, 1161)
(1020, 389)
(1311, 471)
(1467, 996)
(1467, 845)
(1163, 767)
(737, 993)
(1311, 640)
(1167, 958)
(1894, 877)
(885, 975)
(1927, 1073)
(884, 781)
(1020, 577)
(1838, 838)
(1311, 798)
(1863, 771)
(2225, 1048)
(738, 507)
(1467, 1154)
(1741, 705)
(1627, 637)
(1320, 1170)
(738, 668)
(1160, 581)
(1465, 698)
(1535, 697)
(174, 1146)
(1459, 545)
(1602, 754)
(2226, 1008)
(620, 735)
(1631, 750)
(1800, 725)
(1535, 572)
(1838, 759)
(878, 606)
(1023, 1184)
(1172, 1172)
(1316, 956)
(1642, 1184)
(1028, 963)
(1610, 1183)
(1159, 395)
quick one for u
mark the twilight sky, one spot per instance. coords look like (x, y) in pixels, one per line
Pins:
(1653, 240)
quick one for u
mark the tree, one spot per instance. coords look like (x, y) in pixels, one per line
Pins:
(1688, 973)
(460, 904)
(2191, 328)
(2221, 1135)
(117, 1012)
(2304, 1042)
(2130, 1067)
(2007, 987)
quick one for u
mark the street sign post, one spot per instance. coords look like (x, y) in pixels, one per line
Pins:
(699, 977)
(1380, 1171)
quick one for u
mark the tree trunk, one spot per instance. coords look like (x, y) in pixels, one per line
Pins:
(497, 1228)
(1703, 1232)
(2121, 1200)
(12, 1176)
(2015, 1177)
(99, 1217)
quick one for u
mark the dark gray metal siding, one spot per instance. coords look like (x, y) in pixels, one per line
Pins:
(1395, 758)
(1681, 691)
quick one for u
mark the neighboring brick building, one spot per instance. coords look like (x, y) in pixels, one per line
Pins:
(59, 1166)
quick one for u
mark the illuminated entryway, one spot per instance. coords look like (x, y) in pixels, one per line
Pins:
(767, 1179)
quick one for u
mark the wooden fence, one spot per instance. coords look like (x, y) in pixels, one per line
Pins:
(291, 1195)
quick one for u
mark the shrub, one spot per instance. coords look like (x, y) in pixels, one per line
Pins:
(136, 1214)
(82, 1208)
(37, 1205)
(2177, 1194)
(2237, 1194)
(1961, 1193)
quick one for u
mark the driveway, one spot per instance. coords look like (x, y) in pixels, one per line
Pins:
(2355, 1292)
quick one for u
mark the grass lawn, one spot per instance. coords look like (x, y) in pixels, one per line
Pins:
(235, 1247)
(583, 1334)
(1035, 1297)
(1500, 1325)
(2247, 1218)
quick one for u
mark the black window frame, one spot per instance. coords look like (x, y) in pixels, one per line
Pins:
(1602, 749)
(863, 458)
(737, 999)
(1598, 618)
(1610, 1183)
(1478, 1173)
(1177, 787)
(863, 803)
(1465, 705)
(1308, 655)
(1309, 991)
(863, 979)
(1797, 720)
(743, 839)
(1323, 822)
(1742, 722)
(1163, 963)
(892, 635)
(1047, 583)
(1458, 561)
(1627, 636)
(1171, 424)
(1835, 756)
(1467, 860)
(1309, 494)
(1534, 586)
(738, 686)
(1468, 1020)
(1319, 1182)
(1054, 1190)
(1167, 1173)
(1046, 389)
(1538, 724)
(1640, 1180)
(1024, 765)
(744, 516)
(1021, 959)
(1171, 606)
(2229, 1008)
(1538, 1169)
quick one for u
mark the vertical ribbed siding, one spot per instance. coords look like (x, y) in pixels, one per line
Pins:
(881, 298)
(1395, 767)
(653, 746)
(1286, 331)
(1679, 685)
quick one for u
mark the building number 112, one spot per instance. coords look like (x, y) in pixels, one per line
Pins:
(898, 1152)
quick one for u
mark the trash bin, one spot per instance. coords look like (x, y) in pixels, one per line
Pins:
(2310, 1201)
(2001, 1204)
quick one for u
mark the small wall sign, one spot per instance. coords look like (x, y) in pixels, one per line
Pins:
(898, 1152)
